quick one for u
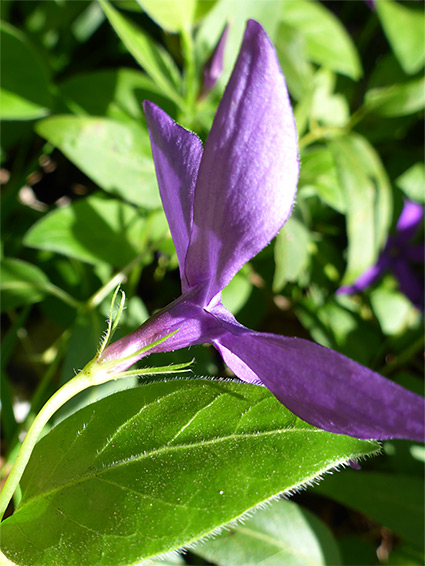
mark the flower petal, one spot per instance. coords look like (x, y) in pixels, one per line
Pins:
(368, 277)
(410, 283)
(248, 173)
(214, 66)
(177, 154)
(192, 323)
(409, 220)
(415, 253)
(327, 389)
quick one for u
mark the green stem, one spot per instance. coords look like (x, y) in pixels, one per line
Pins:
(69, 390)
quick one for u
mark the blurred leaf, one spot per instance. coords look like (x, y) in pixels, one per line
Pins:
(406, 555)
(318, 175)
(236, 294)
(283, 533)
(393, 310)
(357, 551)
(398, 99)
(327, 42)
(154, 59)
(393, 500)
(368, 201)
(412, 182)
(152, 469)
(290, 48)
(21, 284)
(24, 91)
(328, 108)
(115, 155)
(88, 22)
(170, 15)
(93, 229)
(291, 253)
(405, 30)
(336, 324)
(112, 92)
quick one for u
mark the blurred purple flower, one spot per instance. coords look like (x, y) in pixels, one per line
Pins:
(224, 204)
(398, 253)
(371, 4)
(214, 66)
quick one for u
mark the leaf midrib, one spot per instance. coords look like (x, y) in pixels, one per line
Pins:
(163, 449)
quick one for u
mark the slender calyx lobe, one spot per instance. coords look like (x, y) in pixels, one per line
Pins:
(224, 203)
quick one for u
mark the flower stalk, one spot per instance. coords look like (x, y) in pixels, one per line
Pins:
(96, 372)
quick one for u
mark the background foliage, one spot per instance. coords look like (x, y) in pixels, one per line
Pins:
(81, 213)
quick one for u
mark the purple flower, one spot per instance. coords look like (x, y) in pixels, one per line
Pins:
(398, 253)
(224, 204)
(214, 66)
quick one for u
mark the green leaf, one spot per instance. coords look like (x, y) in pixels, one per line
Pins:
(170, 15)
(319, 176)
(115, 155)
(326, 40)
(291, 253)
(24, 90)
(328, 108)
(397, 99)
(290, 48)
(393, 500)
(405, 31)
(21, 283)
(393, 310)
(412, 182)
(283, 533)
(116, 93)
(94, 229)
(154, 59)
(368, 201)
(152, 469)
(237, 292)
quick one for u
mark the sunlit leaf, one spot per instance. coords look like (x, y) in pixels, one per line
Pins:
(412, 182)
(25, 93)
(368, 201)
(171, 15)
(404, 27)
(115, 155)
(115, 93)
(291, 253)
(327, 42)
(283, 533)
(151, 469)
(318, 175)
(94, 229)
(397, 99)
(21, 283)
(153, 58)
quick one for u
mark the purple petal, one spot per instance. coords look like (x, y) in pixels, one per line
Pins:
(177, 154)
(367, 278)
(409, 282)
(325, 388)
(415, 253)
(409, 221)
(194, 325)
(214, 66)
(248, 174)
(371, 4)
